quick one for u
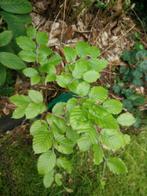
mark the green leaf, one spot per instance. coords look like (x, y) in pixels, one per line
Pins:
(30, 72)
(46, 68)
(42, 141)
(70, 54)
(81, 66)
(137, 99)
(84, 143)
(113, 106)
(26, 43)
(35, 79)
(59, 109)
(71, 104)
(63, 80)
(72, 135)
(50, 78)
(60, 123)
(5, 38)
(98, 93)
(83, 49)
(108, 121)
(116, 165)
(65, 164)
(97, 154)
(38, 126)
(92, 134)
(20, 100)
(143, 66)
(91, 76)
(112, 139)
(11, 61)
(72, 86)
(16, 23)
(54, 60)
(98, 64)
(44, 51)
(35, 96)
(16, 6)
(31, 32)
(48, 179)
(65, 146)
(58, 178)
(137, 82)
(46, 162)
(27, 56)
(126, 119)
(77, 118)
(59, 137)
(94, 52)
(126, 139)
(19, 112)
(3, 75)
(83, 88)
(33, 109)
(42, 38)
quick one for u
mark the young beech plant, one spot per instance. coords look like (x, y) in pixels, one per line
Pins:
(88, 122)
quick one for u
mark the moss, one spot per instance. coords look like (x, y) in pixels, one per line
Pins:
(18, 174)
(19, 177)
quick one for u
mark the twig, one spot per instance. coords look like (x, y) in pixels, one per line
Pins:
(64, 14)
(124, 35)
(139, 20)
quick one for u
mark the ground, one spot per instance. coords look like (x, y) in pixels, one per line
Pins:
(18, 173)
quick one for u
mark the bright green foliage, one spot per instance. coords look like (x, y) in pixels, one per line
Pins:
(116, 165)
(34, 49)
(126, 119)
(98, 154)
(70, 54)
(48, 179)
(30, 105)
(98, 93)
(85, 123)
(26, 43)
(113, 106)
(112, 139)
(46, 162)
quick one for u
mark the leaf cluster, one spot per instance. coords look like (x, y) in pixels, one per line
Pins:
(88, 122)
(15, 14)
(133, 75)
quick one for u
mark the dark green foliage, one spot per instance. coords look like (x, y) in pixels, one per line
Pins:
(140, 9)
(132, 76)
(16, 6)
(15, 15)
